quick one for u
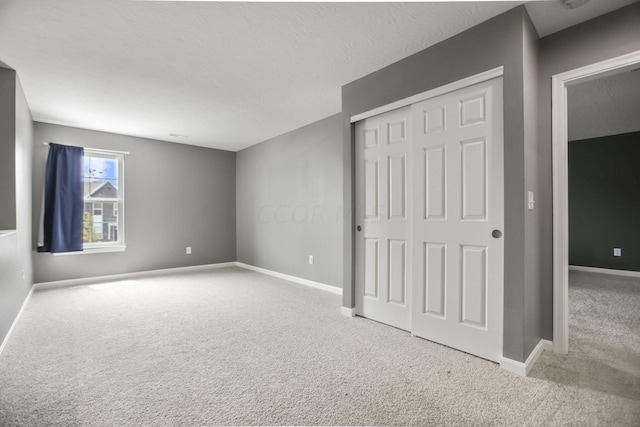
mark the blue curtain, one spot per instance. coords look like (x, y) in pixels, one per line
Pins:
(63, 200)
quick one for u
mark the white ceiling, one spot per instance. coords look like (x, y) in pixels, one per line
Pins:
(226, 75)
(552, 16)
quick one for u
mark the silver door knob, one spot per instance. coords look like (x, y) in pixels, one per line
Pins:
(496, 234)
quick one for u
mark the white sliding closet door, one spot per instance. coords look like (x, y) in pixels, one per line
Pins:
(458, 212)
(430, 217)
(382, 245)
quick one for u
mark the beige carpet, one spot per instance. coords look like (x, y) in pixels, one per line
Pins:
(604, 337)
(233, 347)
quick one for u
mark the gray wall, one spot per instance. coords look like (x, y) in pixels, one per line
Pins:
(7, 149)
(289, 203)
(175, 196)
(15, 249)
(497, 42)
(604, 207)
(604, 106)
(538, 267)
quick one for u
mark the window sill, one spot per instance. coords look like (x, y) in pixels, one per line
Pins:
(100, 250)
(5, 233)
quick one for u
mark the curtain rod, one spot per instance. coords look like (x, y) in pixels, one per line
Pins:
(101, 151)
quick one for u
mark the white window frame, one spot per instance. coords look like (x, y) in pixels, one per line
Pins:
(120, 244)
(115, 209)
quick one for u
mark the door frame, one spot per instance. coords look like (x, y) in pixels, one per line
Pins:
(560, 162)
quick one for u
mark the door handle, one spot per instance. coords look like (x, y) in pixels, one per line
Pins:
(496, 234)
(359, 228)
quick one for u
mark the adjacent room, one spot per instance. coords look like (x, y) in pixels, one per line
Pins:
(235, 213)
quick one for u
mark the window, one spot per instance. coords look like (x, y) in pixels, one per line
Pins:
(103, 190)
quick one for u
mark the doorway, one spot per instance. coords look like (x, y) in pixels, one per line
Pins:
(559, 84)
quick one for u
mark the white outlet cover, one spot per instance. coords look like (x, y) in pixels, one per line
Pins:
(617, 252)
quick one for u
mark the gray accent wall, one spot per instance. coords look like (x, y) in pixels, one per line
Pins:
(176, 196)
(289, 203)
(604, 207)
(498, 42)
(15, 249)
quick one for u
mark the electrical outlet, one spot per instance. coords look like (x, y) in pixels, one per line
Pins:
(530, 201)
(24, 276)
(310, 259)
(188, 250)
(617, 252)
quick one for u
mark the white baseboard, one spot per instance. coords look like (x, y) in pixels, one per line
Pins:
(126, 276)
(294, 279)
(15, 321)
(348, 312)
(522, 369)
(604, 271)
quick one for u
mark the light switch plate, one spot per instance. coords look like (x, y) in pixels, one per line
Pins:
(531, 202)
(617, 251)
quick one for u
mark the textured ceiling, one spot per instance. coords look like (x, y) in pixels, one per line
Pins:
(552, 16)
(226, 75)
(606, 106)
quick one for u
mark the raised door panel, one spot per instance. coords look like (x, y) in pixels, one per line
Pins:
(473, 171)
(473, 286)
(397, 271)
(371, 189)
(397, 186)
(435, 183)
(435, 279)
(371, 273)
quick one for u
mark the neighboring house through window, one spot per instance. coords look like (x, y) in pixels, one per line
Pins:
(103, 181)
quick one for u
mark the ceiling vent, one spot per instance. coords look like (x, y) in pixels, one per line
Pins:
(572, 4)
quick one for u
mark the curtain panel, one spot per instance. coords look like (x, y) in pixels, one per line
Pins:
(63, 200)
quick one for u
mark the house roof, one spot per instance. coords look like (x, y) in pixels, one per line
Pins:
(96, 189)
